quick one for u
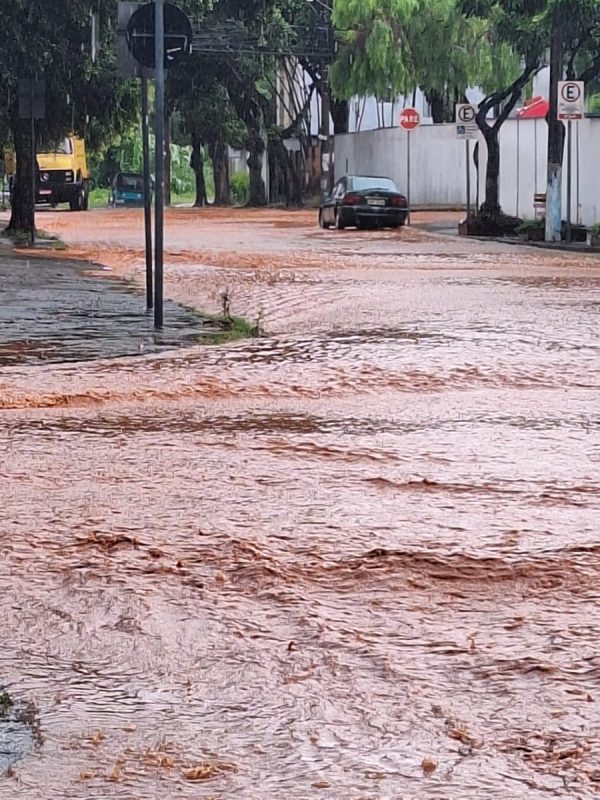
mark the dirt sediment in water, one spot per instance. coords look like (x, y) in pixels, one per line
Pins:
(357, 557)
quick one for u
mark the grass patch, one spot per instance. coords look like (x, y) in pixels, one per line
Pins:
(98, 198)
(22, 239)
(6, 702)
(234, 329)
(187, 198)
(19, 238)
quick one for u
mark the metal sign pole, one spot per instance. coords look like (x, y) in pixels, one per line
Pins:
(467, 155)
(33, 163)
(159, 49)
(408, 177)
(569, 176)
(147, 196)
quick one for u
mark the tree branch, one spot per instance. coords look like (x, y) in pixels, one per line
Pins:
(591, 72)
(512, 93)
(301, 115)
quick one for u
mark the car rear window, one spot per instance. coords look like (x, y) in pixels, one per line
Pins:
(359, 184)
(130, 183)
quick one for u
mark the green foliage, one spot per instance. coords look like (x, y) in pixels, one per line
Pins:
(529, 225)
(52, 40)
(183, 180)
(392, 47)
(239, 184)
(486, 223)
(593, 104)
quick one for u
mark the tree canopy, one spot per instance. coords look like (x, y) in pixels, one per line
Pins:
(53, 41)
(255, 58)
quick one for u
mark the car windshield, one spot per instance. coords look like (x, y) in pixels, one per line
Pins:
(62, 147)
(359, 184)
(130, 183)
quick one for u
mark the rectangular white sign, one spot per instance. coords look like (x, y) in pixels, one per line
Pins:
(571, 96)
(466, 125)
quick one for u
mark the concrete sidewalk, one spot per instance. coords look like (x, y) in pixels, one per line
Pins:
(55, 310)
(445, 227)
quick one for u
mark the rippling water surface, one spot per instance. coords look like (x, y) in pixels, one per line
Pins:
(357, 558)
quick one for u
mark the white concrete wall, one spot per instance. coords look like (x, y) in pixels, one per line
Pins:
(438, 161)
(523, 145)
(438, 165)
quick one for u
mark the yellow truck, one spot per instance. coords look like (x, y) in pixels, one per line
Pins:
(62, 174)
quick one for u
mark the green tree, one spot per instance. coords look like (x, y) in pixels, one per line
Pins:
(390, 47)
(198, 93)
(52, 40)
(527, 27)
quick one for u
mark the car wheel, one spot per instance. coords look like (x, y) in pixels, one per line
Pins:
(77, 203)
(338, 220)
(322, 223)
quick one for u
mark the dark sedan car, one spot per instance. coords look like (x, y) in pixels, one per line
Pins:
(364, 202)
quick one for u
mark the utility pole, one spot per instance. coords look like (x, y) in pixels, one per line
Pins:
(159, 209)
(326, 176)
(556, 137)
(147, 196)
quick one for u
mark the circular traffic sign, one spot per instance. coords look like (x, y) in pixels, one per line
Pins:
(570, 91)
(141, 29)
(466, 114)
(410, 119)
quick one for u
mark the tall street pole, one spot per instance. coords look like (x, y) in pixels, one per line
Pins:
(408, 177)
(569, 177)
(159, 45)
(555, 144)
(147, 196)
(326, 178)
(33, 162)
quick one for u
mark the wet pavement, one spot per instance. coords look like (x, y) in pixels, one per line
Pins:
(60, 311)
(358, 557)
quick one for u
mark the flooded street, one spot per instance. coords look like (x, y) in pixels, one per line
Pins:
(357, 557)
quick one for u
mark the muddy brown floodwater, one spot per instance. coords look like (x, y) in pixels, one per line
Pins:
(357, 558)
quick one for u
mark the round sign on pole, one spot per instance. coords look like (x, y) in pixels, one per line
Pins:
(140, 35)
(466, 114)
(570, 91)
(409, 119)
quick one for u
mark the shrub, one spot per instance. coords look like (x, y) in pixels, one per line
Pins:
(239, 185)
(486, 224)
(530, 225)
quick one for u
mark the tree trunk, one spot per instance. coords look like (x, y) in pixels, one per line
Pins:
(22, 216)
(197, 164)
(491, 204)
(556, 140)
(220, 159)
(285, 182)
(438, 107)
(256, 149)
(340, 111)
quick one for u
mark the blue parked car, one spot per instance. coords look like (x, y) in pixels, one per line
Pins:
(127, 190)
